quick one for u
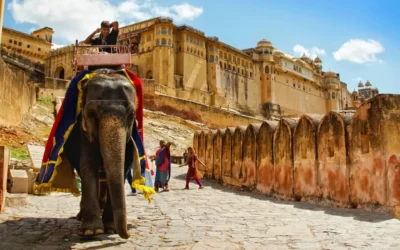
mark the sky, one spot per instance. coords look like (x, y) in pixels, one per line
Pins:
(359, 39)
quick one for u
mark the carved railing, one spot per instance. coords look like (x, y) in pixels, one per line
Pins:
(161, 89)
(87, 55)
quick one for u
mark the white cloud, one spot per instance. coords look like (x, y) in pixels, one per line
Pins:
(311, 52)
(359, 51)
(179, 12)
(358, 79)
(57, 46)
(76, 19)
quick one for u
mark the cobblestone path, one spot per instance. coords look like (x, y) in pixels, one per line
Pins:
(212, 218)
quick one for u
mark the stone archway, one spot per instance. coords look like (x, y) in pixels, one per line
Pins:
(60, 72)
(149, 74)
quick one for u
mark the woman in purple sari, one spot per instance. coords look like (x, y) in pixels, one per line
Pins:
(163, 163)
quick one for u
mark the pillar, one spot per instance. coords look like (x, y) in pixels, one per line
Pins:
(1, 16)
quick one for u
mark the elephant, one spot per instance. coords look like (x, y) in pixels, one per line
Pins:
(101, 149)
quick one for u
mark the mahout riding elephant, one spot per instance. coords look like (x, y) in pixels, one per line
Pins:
(101, 149)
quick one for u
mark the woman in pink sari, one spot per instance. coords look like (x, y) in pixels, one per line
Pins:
(193, 172)
(163, 163)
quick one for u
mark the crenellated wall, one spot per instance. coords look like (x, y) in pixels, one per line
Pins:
(351, 158)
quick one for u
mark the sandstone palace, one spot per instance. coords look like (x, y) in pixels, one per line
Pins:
(184, 63)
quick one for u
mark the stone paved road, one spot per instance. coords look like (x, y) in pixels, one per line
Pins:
(212, 218)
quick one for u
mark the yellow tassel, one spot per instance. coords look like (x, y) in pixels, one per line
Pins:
(139, 184)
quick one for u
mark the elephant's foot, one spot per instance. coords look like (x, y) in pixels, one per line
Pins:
(79, 216)
(109, 227)
(91, 227)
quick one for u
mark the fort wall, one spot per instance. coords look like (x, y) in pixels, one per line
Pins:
(350, 158)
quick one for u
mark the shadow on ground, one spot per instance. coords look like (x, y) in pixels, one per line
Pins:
(357, 214)
(50, 233)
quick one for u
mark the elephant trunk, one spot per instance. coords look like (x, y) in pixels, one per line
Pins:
(112, 138)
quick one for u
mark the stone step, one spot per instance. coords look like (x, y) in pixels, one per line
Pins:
(16, 200)
(36, 156)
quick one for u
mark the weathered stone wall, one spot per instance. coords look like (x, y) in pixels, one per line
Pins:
(283, 157)
(305, 157)
(374, 147)
(17, 96)
(237, 155)
(350, 158)
(211, 116)
(332, 143)
(209, 157)
(265, 163)
(4, 161)
(227, 155)
(217, 159)
(250, 156)
(53, 87)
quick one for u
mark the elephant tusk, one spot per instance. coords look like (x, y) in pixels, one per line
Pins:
(84, 124)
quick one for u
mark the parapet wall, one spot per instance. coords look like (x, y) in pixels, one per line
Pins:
(212, 117)
(351, 158)
(17, 96)
(53, 87)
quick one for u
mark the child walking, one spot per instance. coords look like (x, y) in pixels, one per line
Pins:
(192, 172)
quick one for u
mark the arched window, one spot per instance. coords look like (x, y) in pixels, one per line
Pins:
(169, 42)
(180, 49)
(163, 41)
(234, 68)
(220, 65)
(157, 42)
(164, 30)
(60, 72)
(251, 74)
(333, 95)
(266, 70)
(211, 58)
(149, 74)
(169, 31)
(191, 50)
(224, 65)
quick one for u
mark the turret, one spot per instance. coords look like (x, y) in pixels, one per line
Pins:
(45, 33)
(163, 56)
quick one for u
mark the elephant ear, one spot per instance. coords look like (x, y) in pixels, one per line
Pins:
(83, 89)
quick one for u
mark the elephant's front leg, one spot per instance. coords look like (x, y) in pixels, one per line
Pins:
(89, 169)
(108, 218)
